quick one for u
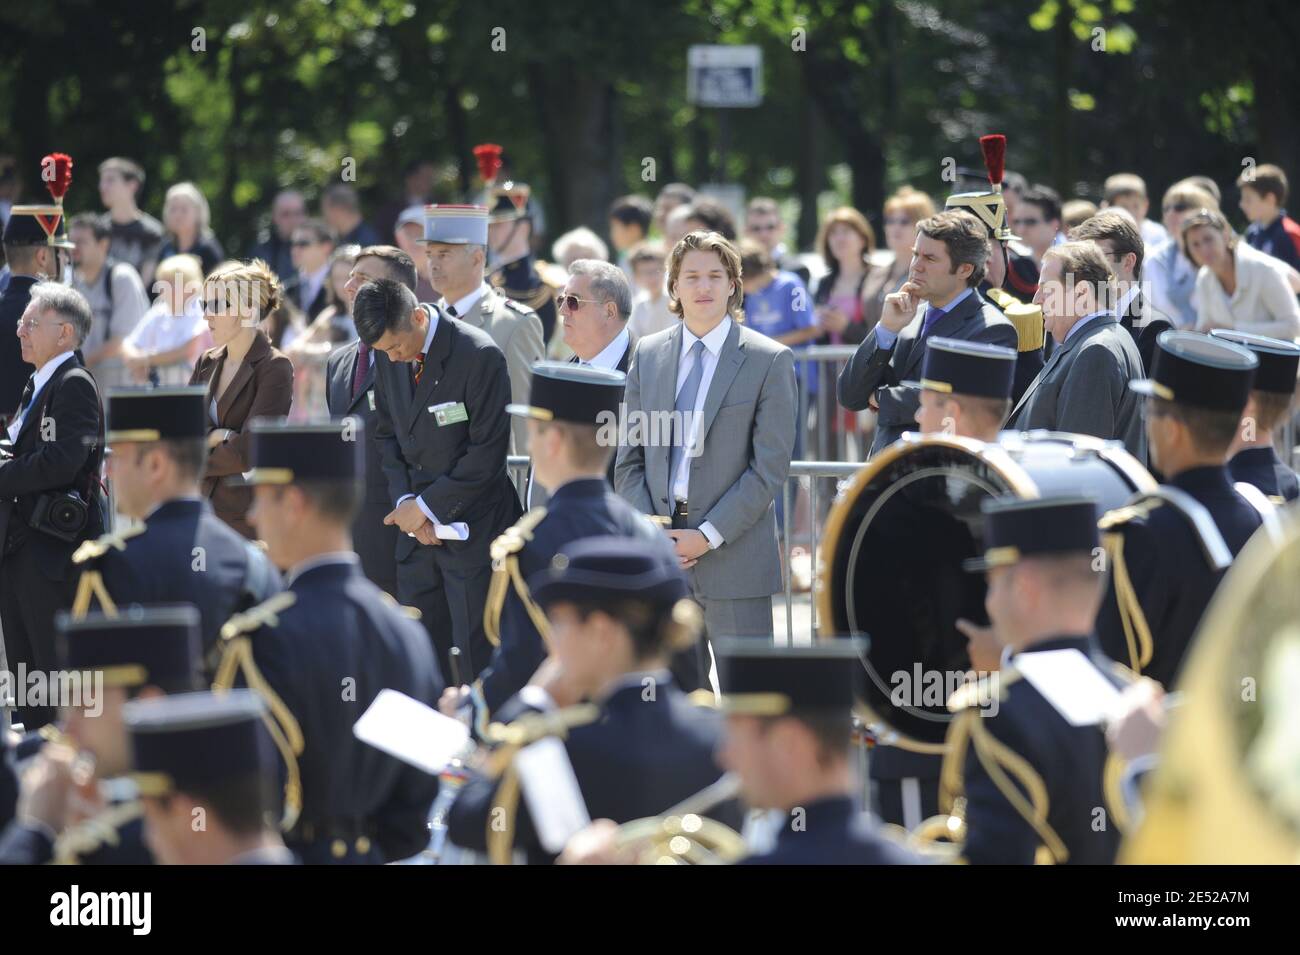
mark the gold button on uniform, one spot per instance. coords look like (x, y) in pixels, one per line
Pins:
(338, 848)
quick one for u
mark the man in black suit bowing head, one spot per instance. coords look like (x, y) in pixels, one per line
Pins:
(441, 390)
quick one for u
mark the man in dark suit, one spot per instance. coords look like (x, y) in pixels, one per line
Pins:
(441, 389)
(206, 753)
(140, 652)
(31, 253)
(1032, 772)
(313, 243)
(1252, 457)
(617, 611)
(350, 390)
(321, 651)
(948, 260)
(594, 307)
(1172, 547)
(50, 492)
(183, 551)
(1083, 388)
(1121, 244)
(572, 430)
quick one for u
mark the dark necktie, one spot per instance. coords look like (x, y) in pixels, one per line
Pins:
(932, 316)
(451, 310)
(29, 392)
(419, 368)
(363, 366)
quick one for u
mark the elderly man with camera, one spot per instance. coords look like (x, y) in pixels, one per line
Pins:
(50, 492)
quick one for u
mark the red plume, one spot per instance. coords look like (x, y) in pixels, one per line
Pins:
(489, 161)
(56, 171)
(995, 156)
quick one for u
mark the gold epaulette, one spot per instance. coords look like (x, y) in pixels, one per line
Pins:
(265, 614)
(505, 572)
(1028, 319)
(94, 833)
(509, 739)
(90, 586)
(93, 550)
(1122, 515)
(237, 656)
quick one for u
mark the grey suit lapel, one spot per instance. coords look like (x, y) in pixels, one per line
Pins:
(354, 403)
(1070, 343)
(730, 358)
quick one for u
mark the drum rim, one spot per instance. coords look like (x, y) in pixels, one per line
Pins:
(1004, 463)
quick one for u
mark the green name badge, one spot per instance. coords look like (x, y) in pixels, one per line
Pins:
(453, 412)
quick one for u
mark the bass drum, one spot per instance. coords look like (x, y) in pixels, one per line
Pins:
(895, 539)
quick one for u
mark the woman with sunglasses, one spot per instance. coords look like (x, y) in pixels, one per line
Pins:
(1237, 287)
(1168, 275)
(246, 378)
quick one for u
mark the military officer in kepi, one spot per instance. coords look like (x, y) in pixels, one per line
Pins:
(182, 551)
(573, 418)
(1169, 549)
(1027, 757)
(1253, 457)
(320, 652)
(207, 753)
(137, 653)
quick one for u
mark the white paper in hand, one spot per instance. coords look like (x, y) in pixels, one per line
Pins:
(414, 733)
(1071, 683)
(551, 791)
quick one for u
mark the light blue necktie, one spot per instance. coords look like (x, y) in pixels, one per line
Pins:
(684, 405)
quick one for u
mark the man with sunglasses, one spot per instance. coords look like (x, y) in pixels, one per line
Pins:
(1038, 220)
(50, 493)
(312, 244)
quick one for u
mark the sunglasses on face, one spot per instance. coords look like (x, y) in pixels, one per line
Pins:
(1177, 207)
(571, 303)
(1021, 223)
(769, 227)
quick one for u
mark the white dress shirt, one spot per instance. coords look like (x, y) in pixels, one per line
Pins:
(612, 353)
(464, 305)
(713, 342)
(43, 376)
(459, 530)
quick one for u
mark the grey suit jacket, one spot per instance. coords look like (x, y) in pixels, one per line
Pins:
(747, 438)
(339, 368)
(1084, 389)
(517, 331)
(881, 371)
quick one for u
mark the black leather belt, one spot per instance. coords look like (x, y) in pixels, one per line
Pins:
(679, 516)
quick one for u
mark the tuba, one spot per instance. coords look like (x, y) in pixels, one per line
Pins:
(891, 564)
(1226, 789)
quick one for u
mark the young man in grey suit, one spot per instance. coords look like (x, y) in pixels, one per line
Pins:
(710, 411)
(350, 390)
(1083, 388)
(948, 261)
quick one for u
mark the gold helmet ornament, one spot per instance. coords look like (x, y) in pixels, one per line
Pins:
(989, 207)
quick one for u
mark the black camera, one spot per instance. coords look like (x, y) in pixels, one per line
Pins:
(61, 514)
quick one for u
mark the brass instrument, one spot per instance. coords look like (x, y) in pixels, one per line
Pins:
(682, 836)
(1226, 789)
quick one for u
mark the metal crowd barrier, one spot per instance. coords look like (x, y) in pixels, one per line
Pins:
(806, 474)
(823, 437)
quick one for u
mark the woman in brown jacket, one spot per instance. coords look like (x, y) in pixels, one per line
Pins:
(246, 378)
